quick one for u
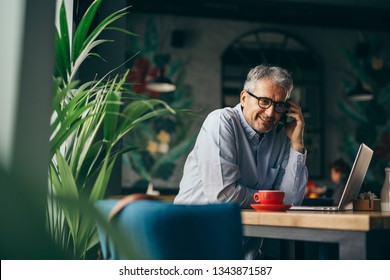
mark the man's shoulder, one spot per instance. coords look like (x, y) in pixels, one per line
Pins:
(224, 113)
(225, 117)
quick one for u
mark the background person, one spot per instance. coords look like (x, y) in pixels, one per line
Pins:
(338, 172)
(334, 186)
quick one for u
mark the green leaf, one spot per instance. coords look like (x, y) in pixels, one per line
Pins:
(91, 41)
(61, 94)
(65, 108)
(64, 35)
(87, 236)
(62, 64)
(112, 113)
(66, 192)
(88, 166)
(103, 25)
(128, 126)
(125, 31)
(83, 55)
(101, 182)
(139, 111)
(68, 126)
(83, 28)
(113, 107)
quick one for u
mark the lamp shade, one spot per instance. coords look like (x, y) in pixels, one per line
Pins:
(360, 93)
(161, 84)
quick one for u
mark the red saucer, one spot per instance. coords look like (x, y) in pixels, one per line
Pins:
(271, 207)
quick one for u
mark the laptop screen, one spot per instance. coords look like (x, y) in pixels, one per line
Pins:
(356, 176)
(353, 185)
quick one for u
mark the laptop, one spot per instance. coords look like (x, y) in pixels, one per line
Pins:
(353, 185)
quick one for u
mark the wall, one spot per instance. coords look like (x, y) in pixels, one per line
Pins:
(210, 37)
(27, 57)
(10, 57)
(27, 62)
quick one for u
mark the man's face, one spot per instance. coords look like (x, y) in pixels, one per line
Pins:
(262, 120)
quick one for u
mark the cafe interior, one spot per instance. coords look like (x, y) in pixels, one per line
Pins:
(91, 184)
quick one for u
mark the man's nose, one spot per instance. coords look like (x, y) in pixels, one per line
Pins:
(270, 111)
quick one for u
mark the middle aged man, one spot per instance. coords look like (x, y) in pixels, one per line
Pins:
(244, 149)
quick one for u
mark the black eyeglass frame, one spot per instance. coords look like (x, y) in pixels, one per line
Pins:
(277, 107)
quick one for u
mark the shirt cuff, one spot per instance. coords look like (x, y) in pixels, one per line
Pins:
(300, 158)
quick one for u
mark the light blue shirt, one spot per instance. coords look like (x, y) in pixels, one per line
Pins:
(230, 162)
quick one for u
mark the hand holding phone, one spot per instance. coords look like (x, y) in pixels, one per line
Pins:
(295, 128)
(283, 119)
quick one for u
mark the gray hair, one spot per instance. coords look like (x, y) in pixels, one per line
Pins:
(279, 76)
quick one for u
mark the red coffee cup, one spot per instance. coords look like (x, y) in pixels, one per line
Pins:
(269, 197)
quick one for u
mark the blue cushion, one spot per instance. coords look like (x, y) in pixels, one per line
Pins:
(161, 230)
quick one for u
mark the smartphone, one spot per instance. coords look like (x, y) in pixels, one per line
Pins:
(283, 119)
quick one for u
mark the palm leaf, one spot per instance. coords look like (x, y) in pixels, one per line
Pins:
(87, 237)
(93, 158)
(83, 55)
(87, 132)
(69, 101)
(62, 93)
(103, 25)
(65, 43)
(68, 126)
(125, 31)
(127, 127)
(64, 134)
(112, 112)
(100, 185)
(67, 189)
(83, 28)
(137, 111)
(61, 63)
(81, 52)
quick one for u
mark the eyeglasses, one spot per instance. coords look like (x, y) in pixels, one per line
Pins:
(265, 103)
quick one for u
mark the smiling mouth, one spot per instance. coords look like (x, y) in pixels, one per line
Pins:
(265, 119)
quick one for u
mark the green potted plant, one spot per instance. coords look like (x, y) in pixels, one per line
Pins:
(89, 121)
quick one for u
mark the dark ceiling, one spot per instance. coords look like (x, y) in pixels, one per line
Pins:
(364, 15)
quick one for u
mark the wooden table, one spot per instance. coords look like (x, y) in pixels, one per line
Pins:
(360, 235)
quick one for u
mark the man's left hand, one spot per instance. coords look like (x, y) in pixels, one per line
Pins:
(294, 129)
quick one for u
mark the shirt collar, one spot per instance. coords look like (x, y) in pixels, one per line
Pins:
(250, 133)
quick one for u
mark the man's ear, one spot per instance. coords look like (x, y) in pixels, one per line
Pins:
(243, 97)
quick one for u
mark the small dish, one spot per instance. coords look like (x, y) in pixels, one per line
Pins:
(271, 207)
